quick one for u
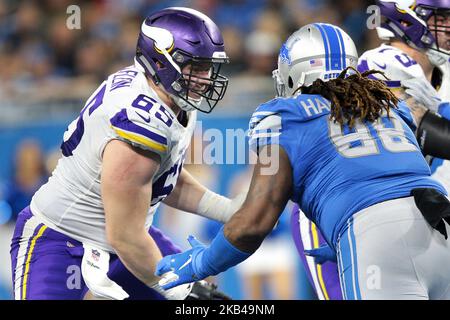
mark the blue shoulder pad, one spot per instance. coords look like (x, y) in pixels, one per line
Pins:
(444, 110)
(405, 113)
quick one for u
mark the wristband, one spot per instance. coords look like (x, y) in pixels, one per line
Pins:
(214, 206)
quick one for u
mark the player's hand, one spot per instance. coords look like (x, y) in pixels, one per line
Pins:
(183, 267)
(423, 93)
(322, 254)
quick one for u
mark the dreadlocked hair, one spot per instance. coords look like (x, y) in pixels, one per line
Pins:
(355, 97)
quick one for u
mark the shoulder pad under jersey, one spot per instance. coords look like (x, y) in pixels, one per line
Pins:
(394, 63)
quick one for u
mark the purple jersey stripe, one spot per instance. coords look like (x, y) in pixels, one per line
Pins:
(121, 121)
(364, 66)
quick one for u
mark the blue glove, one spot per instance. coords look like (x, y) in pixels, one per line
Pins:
(182, 266)
(199, 262)
(444, 110)
(322, 254)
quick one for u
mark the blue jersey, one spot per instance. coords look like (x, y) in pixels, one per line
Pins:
(338, 171)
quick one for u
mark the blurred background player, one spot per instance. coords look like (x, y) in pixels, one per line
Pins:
(415, 58)
(122, 156)
(29, 174)
(345, 153)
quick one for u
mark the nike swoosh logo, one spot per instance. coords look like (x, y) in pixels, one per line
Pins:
(381, 66)
(143, 118)
(186, 263)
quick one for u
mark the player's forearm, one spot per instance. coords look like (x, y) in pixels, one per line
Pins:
(417, 109)
(191, 196)
(268, 194)
(246, 231)
(140, 255)
(126, 186)
(126, 233)
(187, 193)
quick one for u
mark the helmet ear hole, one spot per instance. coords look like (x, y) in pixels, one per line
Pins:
(290, 82)
(158, 63)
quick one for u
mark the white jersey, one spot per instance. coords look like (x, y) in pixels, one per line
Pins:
(398, 66)
(124, 107)
(442, 172)
(444, 90)
(393, 62)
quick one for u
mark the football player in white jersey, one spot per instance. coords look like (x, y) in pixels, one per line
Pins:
(121, 157)
(415, 58)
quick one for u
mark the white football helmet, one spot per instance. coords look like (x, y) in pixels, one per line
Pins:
(315, 51)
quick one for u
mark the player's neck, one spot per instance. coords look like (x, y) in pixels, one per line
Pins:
(420, 57)
(164, 97)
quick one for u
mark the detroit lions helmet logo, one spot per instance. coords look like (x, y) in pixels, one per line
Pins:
(284, 54)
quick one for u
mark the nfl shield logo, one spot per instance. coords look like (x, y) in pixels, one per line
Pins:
(95, 255)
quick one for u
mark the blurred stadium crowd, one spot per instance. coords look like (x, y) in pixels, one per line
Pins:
(48, 70)
(42, 59)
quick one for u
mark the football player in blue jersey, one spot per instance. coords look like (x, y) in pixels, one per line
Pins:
(342, 147)
(415, 57)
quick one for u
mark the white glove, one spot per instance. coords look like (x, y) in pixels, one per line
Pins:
(423, 92)
(177, 293)
(94, 268)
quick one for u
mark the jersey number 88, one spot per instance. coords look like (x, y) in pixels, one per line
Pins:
(360, 142)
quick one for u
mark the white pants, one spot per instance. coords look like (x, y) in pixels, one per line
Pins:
(389, 251)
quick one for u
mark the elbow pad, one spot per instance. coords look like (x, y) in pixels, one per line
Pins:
(433, 135)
